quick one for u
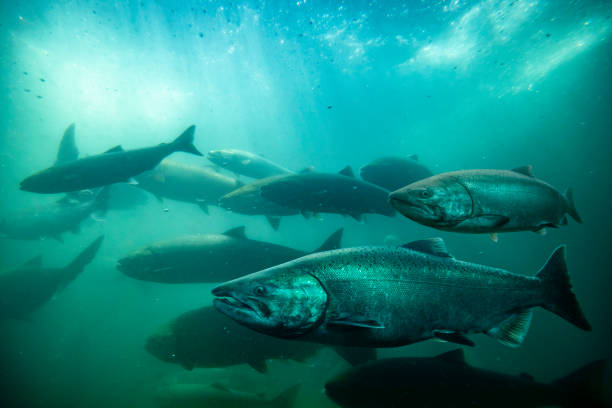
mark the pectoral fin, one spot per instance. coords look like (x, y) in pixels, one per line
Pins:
(453, 337)
(490, 221)
(348, 320)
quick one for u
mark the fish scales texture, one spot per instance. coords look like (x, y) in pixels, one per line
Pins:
(422, 292)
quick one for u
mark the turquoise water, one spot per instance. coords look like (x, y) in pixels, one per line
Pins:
(463, 84)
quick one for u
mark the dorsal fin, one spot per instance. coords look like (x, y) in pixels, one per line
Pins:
(35, 262)
(68, 150)
(347, 171)
(526, 376)
(414, 157)
(237, 232)
(115, 149)
(455, 356)
(431, 246)
(524, 170)
(308, 169)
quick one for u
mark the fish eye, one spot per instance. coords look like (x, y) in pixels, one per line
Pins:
(426, 194)
(260, 291)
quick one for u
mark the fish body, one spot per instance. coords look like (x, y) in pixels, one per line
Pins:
(392, 173)
(447, 380)
(182, 182)
(248, 200)
(485, 201)
(394, 296)
(246, 163)
(25, 289)
(210, 258)
(206, 338)
(216, 395)
(114, 166)
(342, 193)
(53, 219)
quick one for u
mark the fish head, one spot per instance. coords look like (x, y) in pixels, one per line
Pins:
(221, 158)
(435, 201)
(282, 301)
(163, 345)
(138, 264)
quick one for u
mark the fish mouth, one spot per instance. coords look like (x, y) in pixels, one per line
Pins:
(238, 309)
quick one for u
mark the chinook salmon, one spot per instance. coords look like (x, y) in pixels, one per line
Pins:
(393, 296)
(246, 163)
(114, 166)
(485, 201)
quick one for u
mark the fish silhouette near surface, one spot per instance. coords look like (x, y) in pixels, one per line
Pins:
(485, 201)
(28, 287)
(206, 338)
(114, 166)
(392, 173)
(245, 163)
(447, 380)
(393, 296)
(210, 257)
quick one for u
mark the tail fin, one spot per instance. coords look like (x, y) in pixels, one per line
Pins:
(356, 355)
(184, 143)
(287, 398)
(67, 150)
(558, 295)
(74, 268)
(584, 387)
(332, 242)
(571, 207)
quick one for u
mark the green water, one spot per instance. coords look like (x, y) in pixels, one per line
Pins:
(463, 84)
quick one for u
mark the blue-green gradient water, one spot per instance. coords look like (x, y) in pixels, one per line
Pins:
(463, 84)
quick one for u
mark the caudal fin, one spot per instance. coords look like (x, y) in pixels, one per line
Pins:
(184, 143)
(286, 399)
(67, 150)
(558, 295)
(74, 268)
(571, 207)
(332, 242)
(584, 387)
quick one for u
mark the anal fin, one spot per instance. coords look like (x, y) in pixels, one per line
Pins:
(512, 331)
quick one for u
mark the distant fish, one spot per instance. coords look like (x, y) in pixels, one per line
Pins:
(447, 380)
(246, 163)
(28, 287)
(217, 395)
(52, 220)
(392, 173)
(115, 165)
(206, 338)
(210, 257)
(394, 296)
(485, 201)
(188, 183)
(341, 193)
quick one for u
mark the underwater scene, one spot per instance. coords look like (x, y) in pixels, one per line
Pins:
(305, 204)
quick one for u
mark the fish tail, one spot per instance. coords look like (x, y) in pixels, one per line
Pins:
(571, 207)
(74, 268)
(584, 387)
(332, 242)
(558, 295)
(184, 143)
